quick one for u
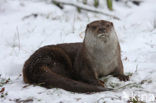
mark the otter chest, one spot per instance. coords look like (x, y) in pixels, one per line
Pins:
(105, 63)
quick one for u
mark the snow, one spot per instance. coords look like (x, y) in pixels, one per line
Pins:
(21, 34)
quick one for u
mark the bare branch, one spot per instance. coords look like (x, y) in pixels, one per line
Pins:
(86, 8)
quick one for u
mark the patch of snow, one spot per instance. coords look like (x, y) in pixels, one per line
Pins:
(21, 34)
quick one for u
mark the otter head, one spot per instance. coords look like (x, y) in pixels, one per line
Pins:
(99, 29)
(100, 34)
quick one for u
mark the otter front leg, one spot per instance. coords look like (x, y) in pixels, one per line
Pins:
(85, 72)
(89, 76)
(122, 77)
(119, 72)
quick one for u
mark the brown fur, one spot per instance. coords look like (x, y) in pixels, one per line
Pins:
(68, 66)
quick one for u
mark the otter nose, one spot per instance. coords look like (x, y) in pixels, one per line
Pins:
(102, 30)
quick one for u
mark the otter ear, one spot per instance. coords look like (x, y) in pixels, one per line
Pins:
(111, 23)
(87, 26)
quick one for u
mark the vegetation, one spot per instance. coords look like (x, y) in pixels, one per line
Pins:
(96, 4)
(110, 4)
(84, 6)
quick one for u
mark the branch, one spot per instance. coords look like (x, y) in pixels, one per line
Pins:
(86, 8)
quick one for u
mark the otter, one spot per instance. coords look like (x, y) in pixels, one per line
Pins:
(77, 67)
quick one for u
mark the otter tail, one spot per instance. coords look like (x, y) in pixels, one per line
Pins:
(51, 79)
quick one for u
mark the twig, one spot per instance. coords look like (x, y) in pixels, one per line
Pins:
(127, 85)
(31, 15)
(86, 8)
(18, 37)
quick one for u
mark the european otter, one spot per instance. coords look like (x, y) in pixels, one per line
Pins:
(76, 67)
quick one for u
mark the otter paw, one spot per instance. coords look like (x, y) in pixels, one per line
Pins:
(123, 78)
(101, 83)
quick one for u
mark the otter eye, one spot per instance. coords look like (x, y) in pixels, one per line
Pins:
(107, 25)
(94, 27)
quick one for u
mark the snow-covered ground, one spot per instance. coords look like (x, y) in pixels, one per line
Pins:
(21, 34)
